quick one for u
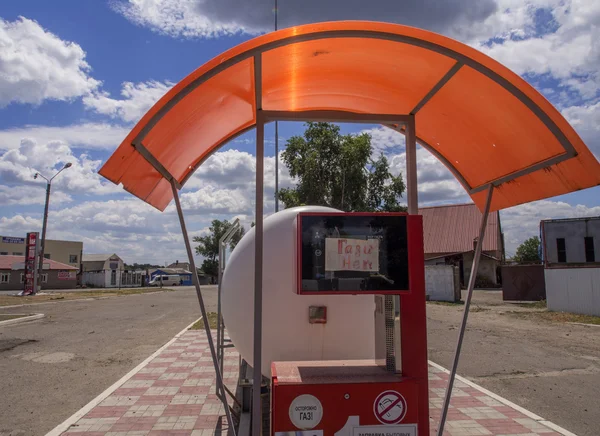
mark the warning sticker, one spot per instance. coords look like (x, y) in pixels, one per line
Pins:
(389, 407)
(386, 430)
(306, 411)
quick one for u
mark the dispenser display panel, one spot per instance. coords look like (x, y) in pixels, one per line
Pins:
(353, 253)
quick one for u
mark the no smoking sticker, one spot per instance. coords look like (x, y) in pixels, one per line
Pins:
(389, 407)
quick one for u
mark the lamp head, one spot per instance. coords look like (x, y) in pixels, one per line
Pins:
(35, 176)
(68, 165)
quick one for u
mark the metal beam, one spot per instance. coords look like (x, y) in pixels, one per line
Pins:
(463, 326)
(411, 167)
(333, 116)
(258, 252)
(530, 169)
(196, 281)
(440, 157)
(437, 87)
(139, 147)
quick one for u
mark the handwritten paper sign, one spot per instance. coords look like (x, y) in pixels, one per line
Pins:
(343, 254)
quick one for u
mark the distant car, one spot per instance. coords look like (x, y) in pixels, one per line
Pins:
(166, 280)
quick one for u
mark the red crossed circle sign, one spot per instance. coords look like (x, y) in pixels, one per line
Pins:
(390, 407)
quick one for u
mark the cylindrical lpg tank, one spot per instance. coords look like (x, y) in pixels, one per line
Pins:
(287, 333)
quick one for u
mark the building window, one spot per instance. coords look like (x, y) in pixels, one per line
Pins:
(561, 250)
(45, 278)
(4, 277)
(590, 256)
(16, 253)
(46, 255)
(22, 278)
(3, 253)
(72, 258)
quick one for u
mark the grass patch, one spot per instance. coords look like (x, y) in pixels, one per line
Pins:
(7, 316)
(10, 300)
(561, 317)
(447, 303)
(533, 305)
(212, 322)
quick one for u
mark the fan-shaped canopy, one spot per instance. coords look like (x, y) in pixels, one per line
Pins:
(485, 123)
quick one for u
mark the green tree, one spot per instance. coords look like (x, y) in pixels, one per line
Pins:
(528, 251)
(338, 171)
(209, 245)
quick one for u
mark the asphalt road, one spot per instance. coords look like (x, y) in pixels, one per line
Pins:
(51, 368)
(550, 369)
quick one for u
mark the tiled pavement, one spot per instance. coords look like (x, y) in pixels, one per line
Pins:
(174, 394)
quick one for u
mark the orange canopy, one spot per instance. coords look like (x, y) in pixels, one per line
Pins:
(485, 123)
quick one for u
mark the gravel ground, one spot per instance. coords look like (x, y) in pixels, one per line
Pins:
(551, 369)
(51, 368)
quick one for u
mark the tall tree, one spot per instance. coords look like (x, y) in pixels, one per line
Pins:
(338, 171)
(528, 251)
(209, 245)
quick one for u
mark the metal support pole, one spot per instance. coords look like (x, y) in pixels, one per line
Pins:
(38, 285)
(258, 280)
(411, 167)
(463, 325)
(220, 326)
(276, 139)
(276, 166)
(211, 344)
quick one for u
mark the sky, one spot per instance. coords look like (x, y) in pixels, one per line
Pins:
(76, 76)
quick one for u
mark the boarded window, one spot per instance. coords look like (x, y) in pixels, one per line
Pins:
(590, 255)
(561, 250)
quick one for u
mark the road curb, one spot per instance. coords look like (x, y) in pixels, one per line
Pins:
(21, 320)
(64, 426)
(508, 403)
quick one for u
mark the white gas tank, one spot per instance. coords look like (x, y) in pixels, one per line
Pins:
(287, 333)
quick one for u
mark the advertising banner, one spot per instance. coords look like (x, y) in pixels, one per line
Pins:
(31, 257)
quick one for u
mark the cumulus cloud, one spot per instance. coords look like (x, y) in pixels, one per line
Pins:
(586, 120)
(522, 222)
(569, 51)
(19, 165)
(137, 99)
(84, 135)
(26, 195)
(36, 65)
(211, 18)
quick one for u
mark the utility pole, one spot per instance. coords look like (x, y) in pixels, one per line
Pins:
(45, 222)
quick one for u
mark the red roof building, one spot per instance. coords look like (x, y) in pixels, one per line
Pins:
(55, 275)
(449, 237)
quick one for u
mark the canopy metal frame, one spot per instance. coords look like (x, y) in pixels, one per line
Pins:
(404, 123)
(460, 58)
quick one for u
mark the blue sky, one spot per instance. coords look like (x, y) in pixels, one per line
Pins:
(75, 77)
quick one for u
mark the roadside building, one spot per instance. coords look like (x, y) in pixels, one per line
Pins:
(450, 234)
(185, 276)
(67, 252)
(204, 278)
(55, 275)
(183, 265)
(108, 271)
(570, 253)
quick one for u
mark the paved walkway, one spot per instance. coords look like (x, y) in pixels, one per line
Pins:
(174, 394)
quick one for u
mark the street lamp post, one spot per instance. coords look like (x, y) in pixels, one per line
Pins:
(43, 243)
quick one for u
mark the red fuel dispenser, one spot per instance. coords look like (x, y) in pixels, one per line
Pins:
(360, 253)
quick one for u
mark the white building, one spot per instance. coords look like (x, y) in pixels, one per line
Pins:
(108, 271)
(571, 265)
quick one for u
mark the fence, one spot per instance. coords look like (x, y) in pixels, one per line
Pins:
(442, 283)
(574, 290)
